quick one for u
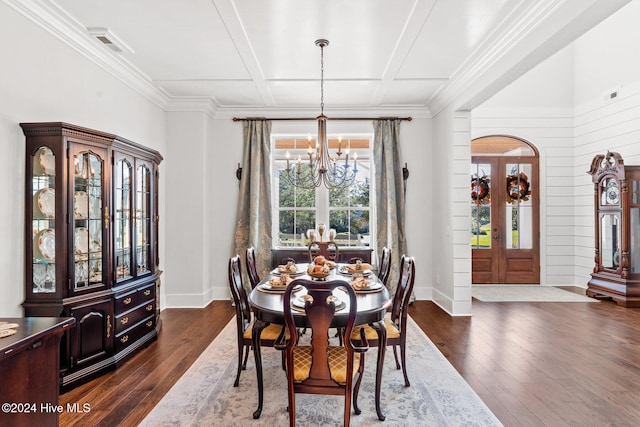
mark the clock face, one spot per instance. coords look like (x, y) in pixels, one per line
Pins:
(613, 194)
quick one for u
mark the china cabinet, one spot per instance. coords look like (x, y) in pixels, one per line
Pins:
(616, 273)
(92, 242)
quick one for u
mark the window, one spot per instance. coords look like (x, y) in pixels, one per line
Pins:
(347, 211)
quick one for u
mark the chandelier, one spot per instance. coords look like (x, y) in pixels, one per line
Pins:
(322, 168)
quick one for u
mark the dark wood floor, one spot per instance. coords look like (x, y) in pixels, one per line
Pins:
(533, 364)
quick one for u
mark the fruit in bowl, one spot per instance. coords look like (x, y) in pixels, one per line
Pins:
(318, 271)
(320, 260)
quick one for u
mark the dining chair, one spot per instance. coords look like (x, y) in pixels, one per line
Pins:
(243, 319)
(320, 367)
(385, 265)
(396, 321)
(327, 249)
(252, 269)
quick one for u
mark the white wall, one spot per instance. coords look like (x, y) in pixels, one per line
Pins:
(42, 79)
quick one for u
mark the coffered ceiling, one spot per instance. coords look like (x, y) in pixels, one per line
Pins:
(259, 55)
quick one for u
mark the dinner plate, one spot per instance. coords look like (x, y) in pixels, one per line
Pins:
(372, 287)
(300, 269)
(45, 244)
(45, 162)
(81, 240)
(80, 205)
(268, 287)
(45, 201)
(344, 270)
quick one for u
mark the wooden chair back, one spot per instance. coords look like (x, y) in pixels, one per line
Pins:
(329, 250)
(239, 294)
(404, 289)
(252, 269)
(385, 265)
(320, 312)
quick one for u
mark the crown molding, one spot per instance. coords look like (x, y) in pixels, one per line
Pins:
(53, 19)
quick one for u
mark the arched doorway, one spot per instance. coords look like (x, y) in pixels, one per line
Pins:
(505, 211)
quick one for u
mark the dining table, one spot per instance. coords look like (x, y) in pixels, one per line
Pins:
(372, 303)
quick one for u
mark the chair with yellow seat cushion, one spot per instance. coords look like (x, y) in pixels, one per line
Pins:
(269, 334)
(322, 368)
(396, 321)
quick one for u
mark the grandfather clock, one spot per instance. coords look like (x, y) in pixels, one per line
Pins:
(616, 273)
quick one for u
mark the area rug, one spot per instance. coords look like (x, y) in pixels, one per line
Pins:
(526, 293)
(205, 396)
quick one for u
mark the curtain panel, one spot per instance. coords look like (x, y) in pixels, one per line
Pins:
(253, 224)
(390, 195)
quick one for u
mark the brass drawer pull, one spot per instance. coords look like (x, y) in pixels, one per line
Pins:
(124, 320)
(147, 292)
(149, 323)
(124, 339)
(149, 307)
(127, 301)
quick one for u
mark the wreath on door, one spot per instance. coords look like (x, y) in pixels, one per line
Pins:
(518, 188)
(480, 190)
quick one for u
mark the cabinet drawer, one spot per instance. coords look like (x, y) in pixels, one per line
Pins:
(147, 293)
(126, 302)
(130, 318)
(132, 335)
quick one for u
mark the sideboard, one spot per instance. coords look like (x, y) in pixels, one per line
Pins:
(301, 254)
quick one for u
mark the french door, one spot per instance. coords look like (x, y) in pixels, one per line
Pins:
(505, 217)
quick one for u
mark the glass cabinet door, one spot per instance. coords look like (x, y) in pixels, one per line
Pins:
(143, 219)
(87, 209)
(43, 221)
(122, 219)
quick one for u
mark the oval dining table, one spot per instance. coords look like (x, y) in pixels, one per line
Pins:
(268, 308)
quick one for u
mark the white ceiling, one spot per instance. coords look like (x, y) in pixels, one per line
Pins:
(257, 55)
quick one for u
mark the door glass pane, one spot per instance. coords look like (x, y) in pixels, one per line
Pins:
(43, 221)
(610, 241)
(122, 219)
(480, 205)
(634, 253)
(87, 219)
(143, 219)
(519, 209)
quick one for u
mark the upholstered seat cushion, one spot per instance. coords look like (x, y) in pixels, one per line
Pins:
(372, 334)
(270, 333)
(337, 363)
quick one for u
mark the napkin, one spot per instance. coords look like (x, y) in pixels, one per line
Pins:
(359, 267)
(289, 268)
(359, 283)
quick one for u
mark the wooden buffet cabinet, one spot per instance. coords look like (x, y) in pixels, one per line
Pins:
(301, 254)
(29, 368)
(91, 242)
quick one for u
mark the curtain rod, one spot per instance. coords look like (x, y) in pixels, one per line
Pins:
(242, 119)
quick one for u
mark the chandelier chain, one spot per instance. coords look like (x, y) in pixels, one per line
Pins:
(322, 79)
